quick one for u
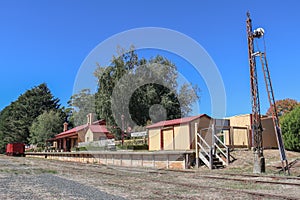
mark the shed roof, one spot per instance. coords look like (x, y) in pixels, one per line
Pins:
(176, 121)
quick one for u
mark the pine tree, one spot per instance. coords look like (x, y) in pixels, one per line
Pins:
(16, 119)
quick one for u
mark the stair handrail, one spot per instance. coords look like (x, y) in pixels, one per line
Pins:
(225, 154)
(203, 150)
(202, 139)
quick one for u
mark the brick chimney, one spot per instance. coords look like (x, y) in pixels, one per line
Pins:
(65, 126)
(90, 118)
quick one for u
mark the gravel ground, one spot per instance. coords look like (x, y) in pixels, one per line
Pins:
(47, 186)
(33, 178)
(21, 180)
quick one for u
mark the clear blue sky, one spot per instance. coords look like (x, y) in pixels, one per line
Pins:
(46, 41)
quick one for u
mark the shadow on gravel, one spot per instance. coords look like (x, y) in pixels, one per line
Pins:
(64, 188)
(49, 187)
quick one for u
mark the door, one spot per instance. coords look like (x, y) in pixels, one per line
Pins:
(167, 139)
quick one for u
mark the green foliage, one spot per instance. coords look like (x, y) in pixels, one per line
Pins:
(290, 126)
(128, 71)
(46, 126)
(81, 104)
(82, 149)
(284, 106)
(16, 119)
(132, 147)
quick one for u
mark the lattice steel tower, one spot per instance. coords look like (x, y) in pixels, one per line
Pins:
(256, 125)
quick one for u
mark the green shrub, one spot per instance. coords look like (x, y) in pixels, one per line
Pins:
(141, 147)
(290, 126)
(82, 149)
(132, 147)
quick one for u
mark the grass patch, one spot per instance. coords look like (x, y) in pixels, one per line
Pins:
(48, 171)
(28, 171)
(247, 186)
(13, 171)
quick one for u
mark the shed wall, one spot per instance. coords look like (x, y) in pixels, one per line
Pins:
(154, 139)
(240, 120)
(240, 136)
(269, 136)
(181, 137)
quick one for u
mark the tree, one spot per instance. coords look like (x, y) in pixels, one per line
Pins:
(290, 126)
(81, 104)
(141, 90)
(46, 126)
(284, 106)
(16, 119)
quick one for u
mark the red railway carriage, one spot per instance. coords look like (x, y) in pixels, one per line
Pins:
(15, 149)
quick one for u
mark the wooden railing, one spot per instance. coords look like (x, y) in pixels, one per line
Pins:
(205, 153)
(225, 154)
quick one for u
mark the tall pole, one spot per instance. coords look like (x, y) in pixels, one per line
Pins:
(196, 145)
(259, 160)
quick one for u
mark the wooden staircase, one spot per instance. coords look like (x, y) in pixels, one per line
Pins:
(214, 156)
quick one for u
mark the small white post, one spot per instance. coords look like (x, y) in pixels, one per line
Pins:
(196, 145)
(213, 133)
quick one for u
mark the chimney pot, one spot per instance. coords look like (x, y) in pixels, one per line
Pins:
(65, 126)
(90, 118)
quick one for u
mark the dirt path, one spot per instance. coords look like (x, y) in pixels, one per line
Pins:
(31, 178)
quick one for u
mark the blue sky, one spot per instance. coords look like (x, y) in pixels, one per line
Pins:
(46, 41)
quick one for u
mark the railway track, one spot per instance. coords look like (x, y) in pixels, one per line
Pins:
(138, 175)
(257, 194)
(220, 176)
(232, 174)
(249, 180)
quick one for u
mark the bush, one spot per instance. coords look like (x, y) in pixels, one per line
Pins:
(82, 149)
(132, 147)
(290, 126)
(140, 147)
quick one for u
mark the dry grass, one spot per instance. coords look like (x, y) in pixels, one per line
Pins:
(244, 161)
